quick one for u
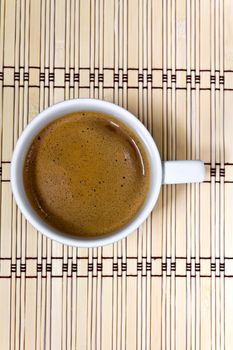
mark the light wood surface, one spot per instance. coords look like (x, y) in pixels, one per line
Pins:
(170, 284)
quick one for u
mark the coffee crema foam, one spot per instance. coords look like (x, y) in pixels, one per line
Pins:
(86, 174)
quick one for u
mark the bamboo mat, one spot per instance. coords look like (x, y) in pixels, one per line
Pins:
(170, 284)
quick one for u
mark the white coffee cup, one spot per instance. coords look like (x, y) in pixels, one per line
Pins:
(168, 172)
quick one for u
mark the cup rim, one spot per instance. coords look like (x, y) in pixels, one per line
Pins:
(54, 112)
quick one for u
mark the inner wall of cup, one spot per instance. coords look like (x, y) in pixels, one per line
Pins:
(40, 122)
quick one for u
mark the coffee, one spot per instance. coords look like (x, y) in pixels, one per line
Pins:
(86, 174)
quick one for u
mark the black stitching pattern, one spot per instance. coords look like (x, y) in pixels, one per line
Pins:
(13, 267)
(139, 266)
(149, 78)
(76, 77)
(164, 78)
(90, 267)
(115, 266)
(99, 266)
(197, 79)
(74, 267)
(222, 172)
(22, 267)
(188, 79)
(48, 267)
(51, 76)
(100, 78)
(140, 78)
(39, 267)
(173, 78)
(67, 77)
(16, 76)
(123, 266)
(213, 266)
(173, 266)
(116, 78)
(212, 79)
(125, 78)
(42, 76)
(65, 267)
(222, 267)
(221, 79)
(213, 172)
(26, 76)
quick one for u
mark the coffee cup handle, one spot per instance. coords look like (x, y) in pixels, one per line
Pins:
(183, 171)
